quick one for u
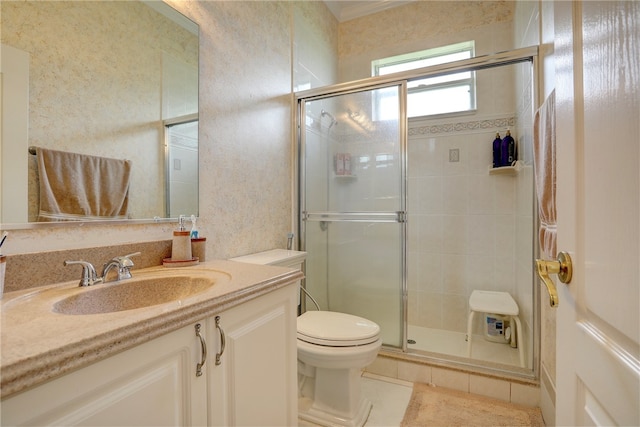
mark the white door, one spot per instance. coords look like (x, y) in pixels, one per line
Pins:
(597, 54)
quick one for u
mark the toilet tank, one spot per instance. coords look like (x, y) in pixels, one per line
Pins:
(279, 257)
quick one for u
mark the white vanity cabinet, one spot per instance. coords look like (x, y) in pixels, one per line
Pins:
(254, 381)
(156, 383)
(152, 384)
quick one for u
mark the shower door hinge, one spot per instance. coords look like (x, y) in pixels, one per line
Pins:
(402, 216)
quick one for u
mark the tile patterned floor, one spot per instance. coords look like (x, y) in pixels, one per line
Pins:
(389, 397)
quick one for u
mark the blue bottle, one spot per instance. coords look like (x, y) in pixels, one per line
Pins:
(497, 147)
(507, 150)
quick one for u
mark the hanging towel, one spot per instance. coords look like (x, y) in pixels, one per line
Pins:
(76, 187)
(544, 154)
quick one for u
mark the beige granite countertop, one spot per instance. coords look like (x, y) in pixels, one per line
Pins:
(38, 344)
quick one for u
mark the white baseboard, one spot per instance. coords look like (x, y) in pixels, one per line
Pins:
(547, 397)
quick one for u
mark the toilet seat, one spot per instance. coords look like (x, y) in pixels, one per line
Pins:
(334, 329)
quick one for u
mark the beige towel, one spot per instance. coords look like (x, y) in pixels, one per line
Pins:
(544, 154)
(77, 187)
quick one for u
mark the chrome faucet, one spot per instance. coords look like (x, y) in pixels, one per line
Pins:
(122, 263)
(90, 277)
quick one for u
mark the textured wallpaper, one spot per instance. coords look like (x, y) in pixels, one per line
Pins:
(245, 124)
(418, 21)
(246, 151)
(423, 25)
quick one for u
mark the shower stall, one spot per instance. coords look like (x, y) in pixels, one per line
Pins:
(404, 217)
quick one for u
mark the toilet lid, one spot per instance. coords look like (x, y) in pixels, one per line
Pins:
(336, 329)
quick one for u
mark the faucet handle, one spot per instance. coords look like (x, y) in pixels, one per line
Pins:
(89, 275)
(125, 260)
(125, 265)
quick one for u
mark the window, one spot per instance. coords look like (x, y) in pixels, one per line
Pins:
(181, 162)
(432, 95)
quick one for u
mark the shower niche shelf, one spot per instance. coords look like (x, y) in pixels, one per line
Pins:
(506, 170)
(345, 177)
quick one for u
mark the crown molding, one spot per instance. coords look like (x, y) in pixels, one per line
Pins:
(347, 10)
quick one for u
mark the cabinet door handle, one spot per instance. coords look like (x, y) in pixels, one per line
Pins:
(222, 341)
(203, 346)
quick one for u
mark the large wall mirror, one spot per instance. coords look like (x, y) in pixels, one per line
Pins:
(114, 80)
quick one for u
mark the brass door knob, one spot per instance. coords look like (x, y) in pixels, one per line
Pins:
(562, 267)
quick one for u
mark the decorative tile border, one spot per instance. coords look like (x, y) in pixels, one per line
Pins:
(472, 125)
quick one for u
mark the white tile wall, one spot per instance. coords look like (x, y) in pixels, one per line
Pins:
(464, 225)
(490, 387)
(456, 380)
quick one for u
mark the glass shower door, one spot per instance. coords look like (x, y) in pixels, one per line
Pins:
(353, 205)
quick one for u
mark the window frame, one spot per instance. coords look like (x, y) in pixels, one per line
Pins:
(431, 54)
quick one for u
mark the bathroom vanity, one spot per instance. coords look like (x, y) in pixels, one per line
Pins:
(222, 353)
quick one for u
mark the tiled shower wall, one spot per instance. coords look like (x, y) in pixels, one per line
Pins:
(462, 222)
(469, 230)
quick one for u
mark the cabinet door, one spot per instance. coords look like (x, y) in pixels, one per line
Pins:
(255, 382)
(153, 384)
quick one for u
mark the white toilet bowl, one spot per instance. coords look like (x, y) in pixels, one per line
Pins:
(333, 348)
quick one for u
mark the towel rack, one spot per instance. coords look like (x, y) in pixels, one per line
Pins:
(32, 150)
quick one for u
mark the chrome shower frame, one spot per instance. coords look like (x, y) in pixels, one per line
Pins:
(522, 55)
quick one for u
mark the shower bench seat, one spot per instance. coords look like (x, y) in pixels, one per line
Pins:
(496, 303)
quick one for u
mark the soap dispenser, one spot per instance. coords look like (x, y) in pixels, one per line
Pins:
(181, 245)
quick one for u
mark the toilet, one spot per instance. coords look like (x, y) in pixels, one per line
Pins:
(333, 349)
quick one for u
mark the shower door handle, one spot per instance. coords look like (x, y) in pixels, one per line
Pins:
(397, 216)
(563, 267)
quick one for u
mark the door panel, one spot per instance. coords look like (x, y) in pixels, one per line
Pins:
(611, 174)
(352, 205)
(598, 197)
(153, 384)
(619, 402)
